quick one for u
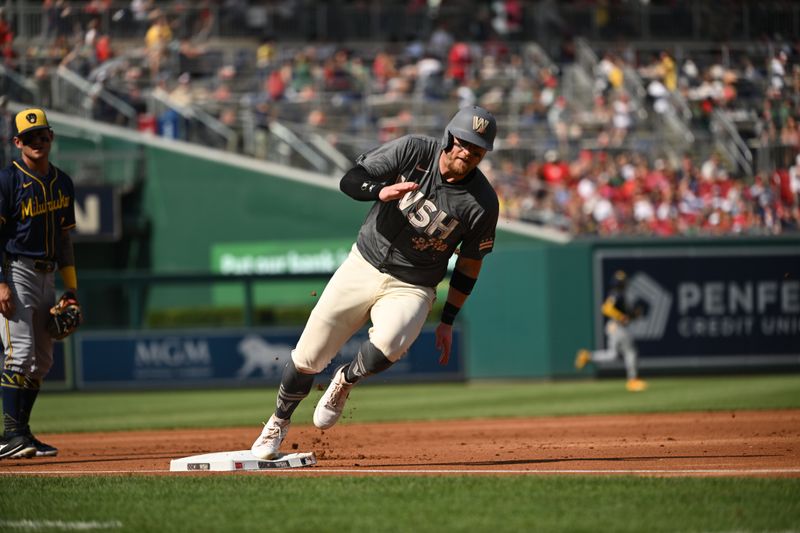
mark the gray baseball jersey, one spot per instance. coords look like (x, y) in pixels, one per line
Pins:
(413, 238)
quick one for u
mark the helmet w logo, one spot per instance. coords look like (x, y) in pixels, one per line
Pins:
(479, 124)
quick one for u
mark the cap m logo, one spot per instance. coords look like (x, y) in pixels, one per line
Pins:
(31, 117)
(479, 124)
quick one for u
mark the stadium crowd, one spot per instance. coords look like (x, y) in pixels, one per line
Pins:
(588, 172)
(600, 193)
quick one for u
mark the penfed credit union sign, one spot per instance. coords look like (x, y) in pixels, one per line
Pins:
(711, 305)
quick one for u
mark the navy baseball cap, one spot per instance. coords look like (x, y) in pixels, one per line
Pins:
(29, 120)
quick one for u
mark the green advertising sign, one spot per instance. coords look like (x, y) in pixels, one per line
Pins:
(277, 257)
(282, 257)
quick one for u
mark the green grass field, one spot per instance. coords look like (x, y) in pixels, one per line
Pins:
(67, 412)
(283, 503)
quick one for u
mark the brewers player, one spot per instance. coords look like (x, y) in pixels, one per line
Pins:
(619, 312)
(430, 200)
(36, 213)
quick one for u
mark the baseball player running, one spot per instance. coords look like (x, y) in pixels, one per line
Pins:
(620, 341)
(430, 200)
(36, 213)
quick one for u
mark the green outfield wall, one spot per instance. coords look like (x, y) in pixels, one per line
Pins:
(528, 310)
(536, 304)
(533, 307)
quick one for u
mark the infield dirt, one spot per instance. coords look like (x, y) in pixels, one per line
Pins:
(761, 443)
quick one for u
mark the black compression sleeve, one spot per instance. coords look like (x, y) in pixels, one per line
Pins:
(359, 185)
(462, 282)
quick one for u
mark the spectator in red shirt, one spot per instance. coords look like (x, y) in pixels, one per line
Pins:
(383, 69)
(555, 170)
(277, 82)
(5, 28)
(458, 62)
(8, 54)
(102, 49)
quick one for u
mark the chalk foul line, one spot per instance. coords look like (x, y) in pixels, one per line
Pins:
(66, 525)
(456, 471)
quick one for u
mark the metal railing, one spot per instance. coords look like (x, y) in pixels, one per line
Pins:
(191, 123)
(86, 99)
(18, 87)
(291, 142)
(337, 160)
(585, 56)
(676, 120)
(730, 142)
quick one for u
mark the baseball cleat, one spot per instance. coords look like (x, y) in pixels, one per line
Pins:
(42, 449)
(269, 442)
(636, 385)
(17, 447)
(331, 405)
(582, 359)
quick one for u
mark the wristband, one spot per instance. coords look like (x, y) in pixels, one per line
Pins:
(461, 282)
(449, 313)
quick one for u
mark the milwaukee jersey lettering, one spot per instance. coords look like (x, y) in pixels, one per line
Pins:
(34, 209)
(414, 237)
(36, 206)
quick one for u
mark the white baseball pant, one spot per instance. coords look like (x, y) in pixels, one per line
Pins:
(358, 292)
(619, 341)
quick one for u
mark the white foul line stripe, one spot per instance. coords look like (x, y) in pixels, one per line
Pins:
(726, 471)
(60, 524)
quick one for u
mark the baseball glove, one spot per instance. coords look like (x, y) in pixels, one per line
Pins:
(65, 316)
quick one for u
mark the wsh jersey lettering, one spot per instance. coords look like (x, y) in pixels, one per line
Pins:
(423, 214)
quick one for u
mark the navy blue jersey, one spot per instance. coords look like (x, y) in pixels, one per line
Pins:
(34, 209)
